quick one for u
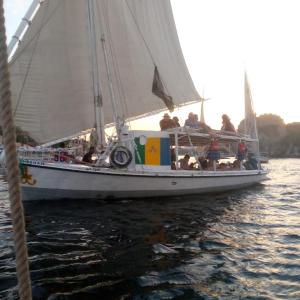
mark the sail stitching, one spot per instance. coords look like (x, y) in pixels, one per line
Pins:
(115, 66)
(158, 81)
(28, 67)
(140, 32)
(114, 60)
(16, 56)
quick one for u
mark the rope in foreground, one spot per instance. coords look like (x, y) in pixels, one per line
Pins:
(9, 138)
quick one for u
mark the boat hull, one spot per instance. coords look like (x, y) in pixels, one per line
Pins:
(55, 182)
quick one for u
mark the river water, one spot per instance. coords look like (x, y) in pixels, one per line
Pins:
(239, 245)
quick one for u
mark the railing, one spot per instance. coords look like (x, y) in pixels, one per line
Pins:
(44, 155)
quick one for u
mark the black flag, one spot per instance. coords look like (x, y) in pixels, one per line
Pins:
(159, 91)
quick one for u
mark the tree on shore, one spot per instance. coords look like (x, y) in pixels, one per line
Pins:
(22, 137)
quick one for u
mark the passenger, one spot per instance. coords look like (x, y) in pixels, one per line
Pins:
(210, 165)
(196, 123)
(173, 159)
(226, 124)
(251, 163)
(184, 162)
(236, 164)
(192, 166)
(223, 167)
(242, 151)
(191, 121)
(176, 122)
(203, 163)
(166, 122)
(213, 152)
(87, 158)
(203, 127)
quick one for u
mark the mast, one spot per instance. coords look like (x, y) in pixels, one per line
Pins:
(202, 118)
(118, 120)
(99, 116)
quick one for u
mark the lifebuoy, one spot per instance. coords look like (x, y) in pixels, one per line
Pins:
(120, 157)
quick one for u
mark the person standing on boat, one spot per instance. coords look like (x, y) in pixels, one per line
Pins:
(166, 122)
(87, 158)
(226, 124)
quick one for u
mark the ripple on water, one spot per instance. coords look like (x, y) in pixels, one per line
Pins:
(238, 245)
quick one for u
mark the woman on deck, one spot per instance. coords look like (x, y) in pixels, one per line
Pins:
(226, 124)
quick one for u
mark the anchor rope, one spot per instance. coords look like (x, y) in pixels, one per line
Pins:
(9, 138)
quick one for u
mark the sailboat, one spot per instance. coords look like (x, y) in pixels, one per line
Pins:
(85, 64)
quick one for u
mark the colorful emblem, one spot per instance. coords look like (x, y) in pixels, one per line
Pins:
(156, 151)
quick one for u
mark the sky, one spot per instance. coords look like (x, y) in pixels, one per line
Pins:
(221, 39)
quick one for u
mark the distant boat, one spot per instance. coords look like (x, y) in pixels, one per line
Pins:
(91, 62)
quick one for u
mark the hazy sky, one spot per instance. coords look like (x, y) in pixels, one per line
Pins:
(222, 38)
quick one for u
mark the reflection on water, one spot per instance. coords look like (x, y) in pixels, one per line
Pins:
(240, 245)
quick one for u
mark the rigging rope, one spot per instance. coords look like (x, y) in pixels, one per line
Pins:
(145, 42)
(141, 33)
(9, 137)
(34, 39)
(121, 92)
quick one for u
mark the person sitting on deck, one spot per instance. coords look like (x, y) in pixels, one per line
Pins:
(203, 127)
(173, 159)
(166, 122)
(226, 124)
(191, 121)
(203, 163)
(236, 165)
(184, 162)
(176, 122)
(87, 158)
(251, 163)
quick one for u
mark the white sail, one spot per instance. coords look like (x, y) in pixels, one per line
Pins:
(51, 73)
(202, 119)
(250, 117)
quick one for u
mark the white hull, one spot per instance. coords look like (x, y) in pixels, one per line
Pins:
(55, 181)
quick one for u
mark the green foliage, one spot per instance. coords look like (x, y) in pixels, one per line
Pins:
(22, 137)
(293, 133)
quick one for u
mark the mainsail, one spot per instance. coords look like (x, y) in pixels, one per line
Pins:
(51, 73)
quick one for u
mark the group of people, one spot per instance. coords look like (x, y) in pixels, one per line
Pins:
(166, 122)
(203, 163)
(192, 121)
(207, 164)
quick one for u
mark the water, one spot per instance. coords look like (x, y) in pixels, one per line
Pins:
(239, 245)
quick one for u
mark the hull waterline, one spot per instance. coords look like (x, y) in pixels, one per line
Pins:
(54, 182)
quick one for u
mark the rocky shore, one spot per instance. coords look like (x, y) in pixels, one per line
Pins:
(277, 139)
